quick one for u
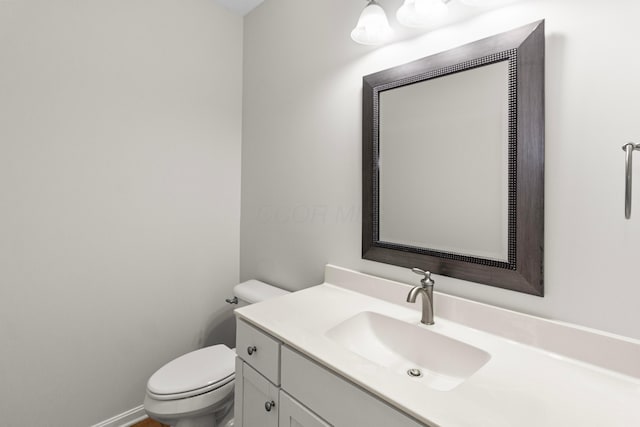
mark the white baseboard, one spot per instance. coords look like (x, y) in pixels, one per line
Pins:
(126, 419)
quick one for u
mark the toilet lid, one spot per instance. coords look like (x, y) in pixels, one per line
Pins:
(206, 368)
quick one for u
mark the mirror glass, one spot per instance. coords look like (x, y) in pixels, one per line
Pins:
(443, 163)
(453, 162)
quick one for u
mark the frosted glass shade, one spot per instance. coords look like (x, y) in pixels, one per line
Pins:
(372, 27)
(421, 13)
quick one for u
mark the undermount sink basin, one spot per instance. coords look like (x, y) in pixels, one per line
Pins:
(411, 350)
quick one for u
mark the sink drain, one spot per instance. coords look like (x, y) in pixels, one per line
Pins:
(414, 372)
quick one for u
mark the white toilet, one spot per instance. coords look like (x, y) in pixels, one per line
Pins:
(196, 389)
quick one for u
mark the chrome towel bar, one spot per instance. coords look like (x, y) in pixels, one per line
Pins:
(628, 168)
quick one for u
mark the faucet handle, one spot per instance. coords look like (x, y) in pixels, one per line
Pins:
(426, 280)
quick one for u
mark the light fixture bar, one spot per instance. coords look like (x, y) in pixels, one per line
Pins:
(373, 27)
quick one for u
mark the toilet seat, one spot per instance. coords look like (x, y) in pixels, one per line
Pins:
(194, 373)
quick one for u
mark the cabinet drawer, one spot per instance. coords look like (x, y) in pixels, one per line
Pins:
(338, 401)
(258, 350)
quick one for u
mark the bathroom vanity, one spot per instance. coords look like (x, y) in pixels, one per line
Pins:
(283, 385)
(278, 386)
(352, 352)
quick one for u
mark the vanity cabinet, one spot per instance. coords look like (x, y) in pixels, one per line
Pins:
(277, 386)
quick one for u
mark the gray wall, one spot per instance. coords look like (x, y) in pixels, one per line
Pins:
(120, 127)
(301, 154)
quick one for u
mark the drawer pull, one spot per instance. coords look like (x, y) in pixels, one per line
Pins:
(269, 405)
(251, 350)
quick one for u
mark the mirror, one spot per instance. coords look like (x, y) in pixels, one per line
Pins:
(453, 164)
(468, 215)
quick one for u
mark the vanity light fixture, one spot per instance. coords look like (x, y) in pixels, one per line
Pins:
(372, 27)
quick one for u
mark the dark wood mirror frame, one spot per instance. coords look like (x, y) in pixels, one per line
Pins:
(523, 48)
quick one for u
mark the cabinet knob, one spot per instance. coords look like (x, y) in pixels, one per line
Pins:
(269, 405)
(251, 350)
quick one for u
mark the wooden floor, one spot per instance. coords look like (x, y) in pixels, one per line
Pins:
(149, 423)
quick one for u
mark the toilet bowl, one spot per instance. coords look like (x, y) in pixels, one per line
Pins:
(196, 389)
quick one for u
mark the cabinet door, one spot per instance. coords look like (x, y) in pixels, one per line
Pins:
(256, 401)
(293, 414)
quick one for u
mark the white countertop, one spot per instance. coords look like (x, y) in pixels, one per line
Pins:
(520, 385)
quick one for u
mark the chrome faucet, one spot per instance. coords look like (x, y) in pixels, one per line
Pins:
(426, 289)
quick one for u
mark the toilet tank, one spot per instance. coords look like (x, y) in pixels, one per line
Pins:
(253, 291)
